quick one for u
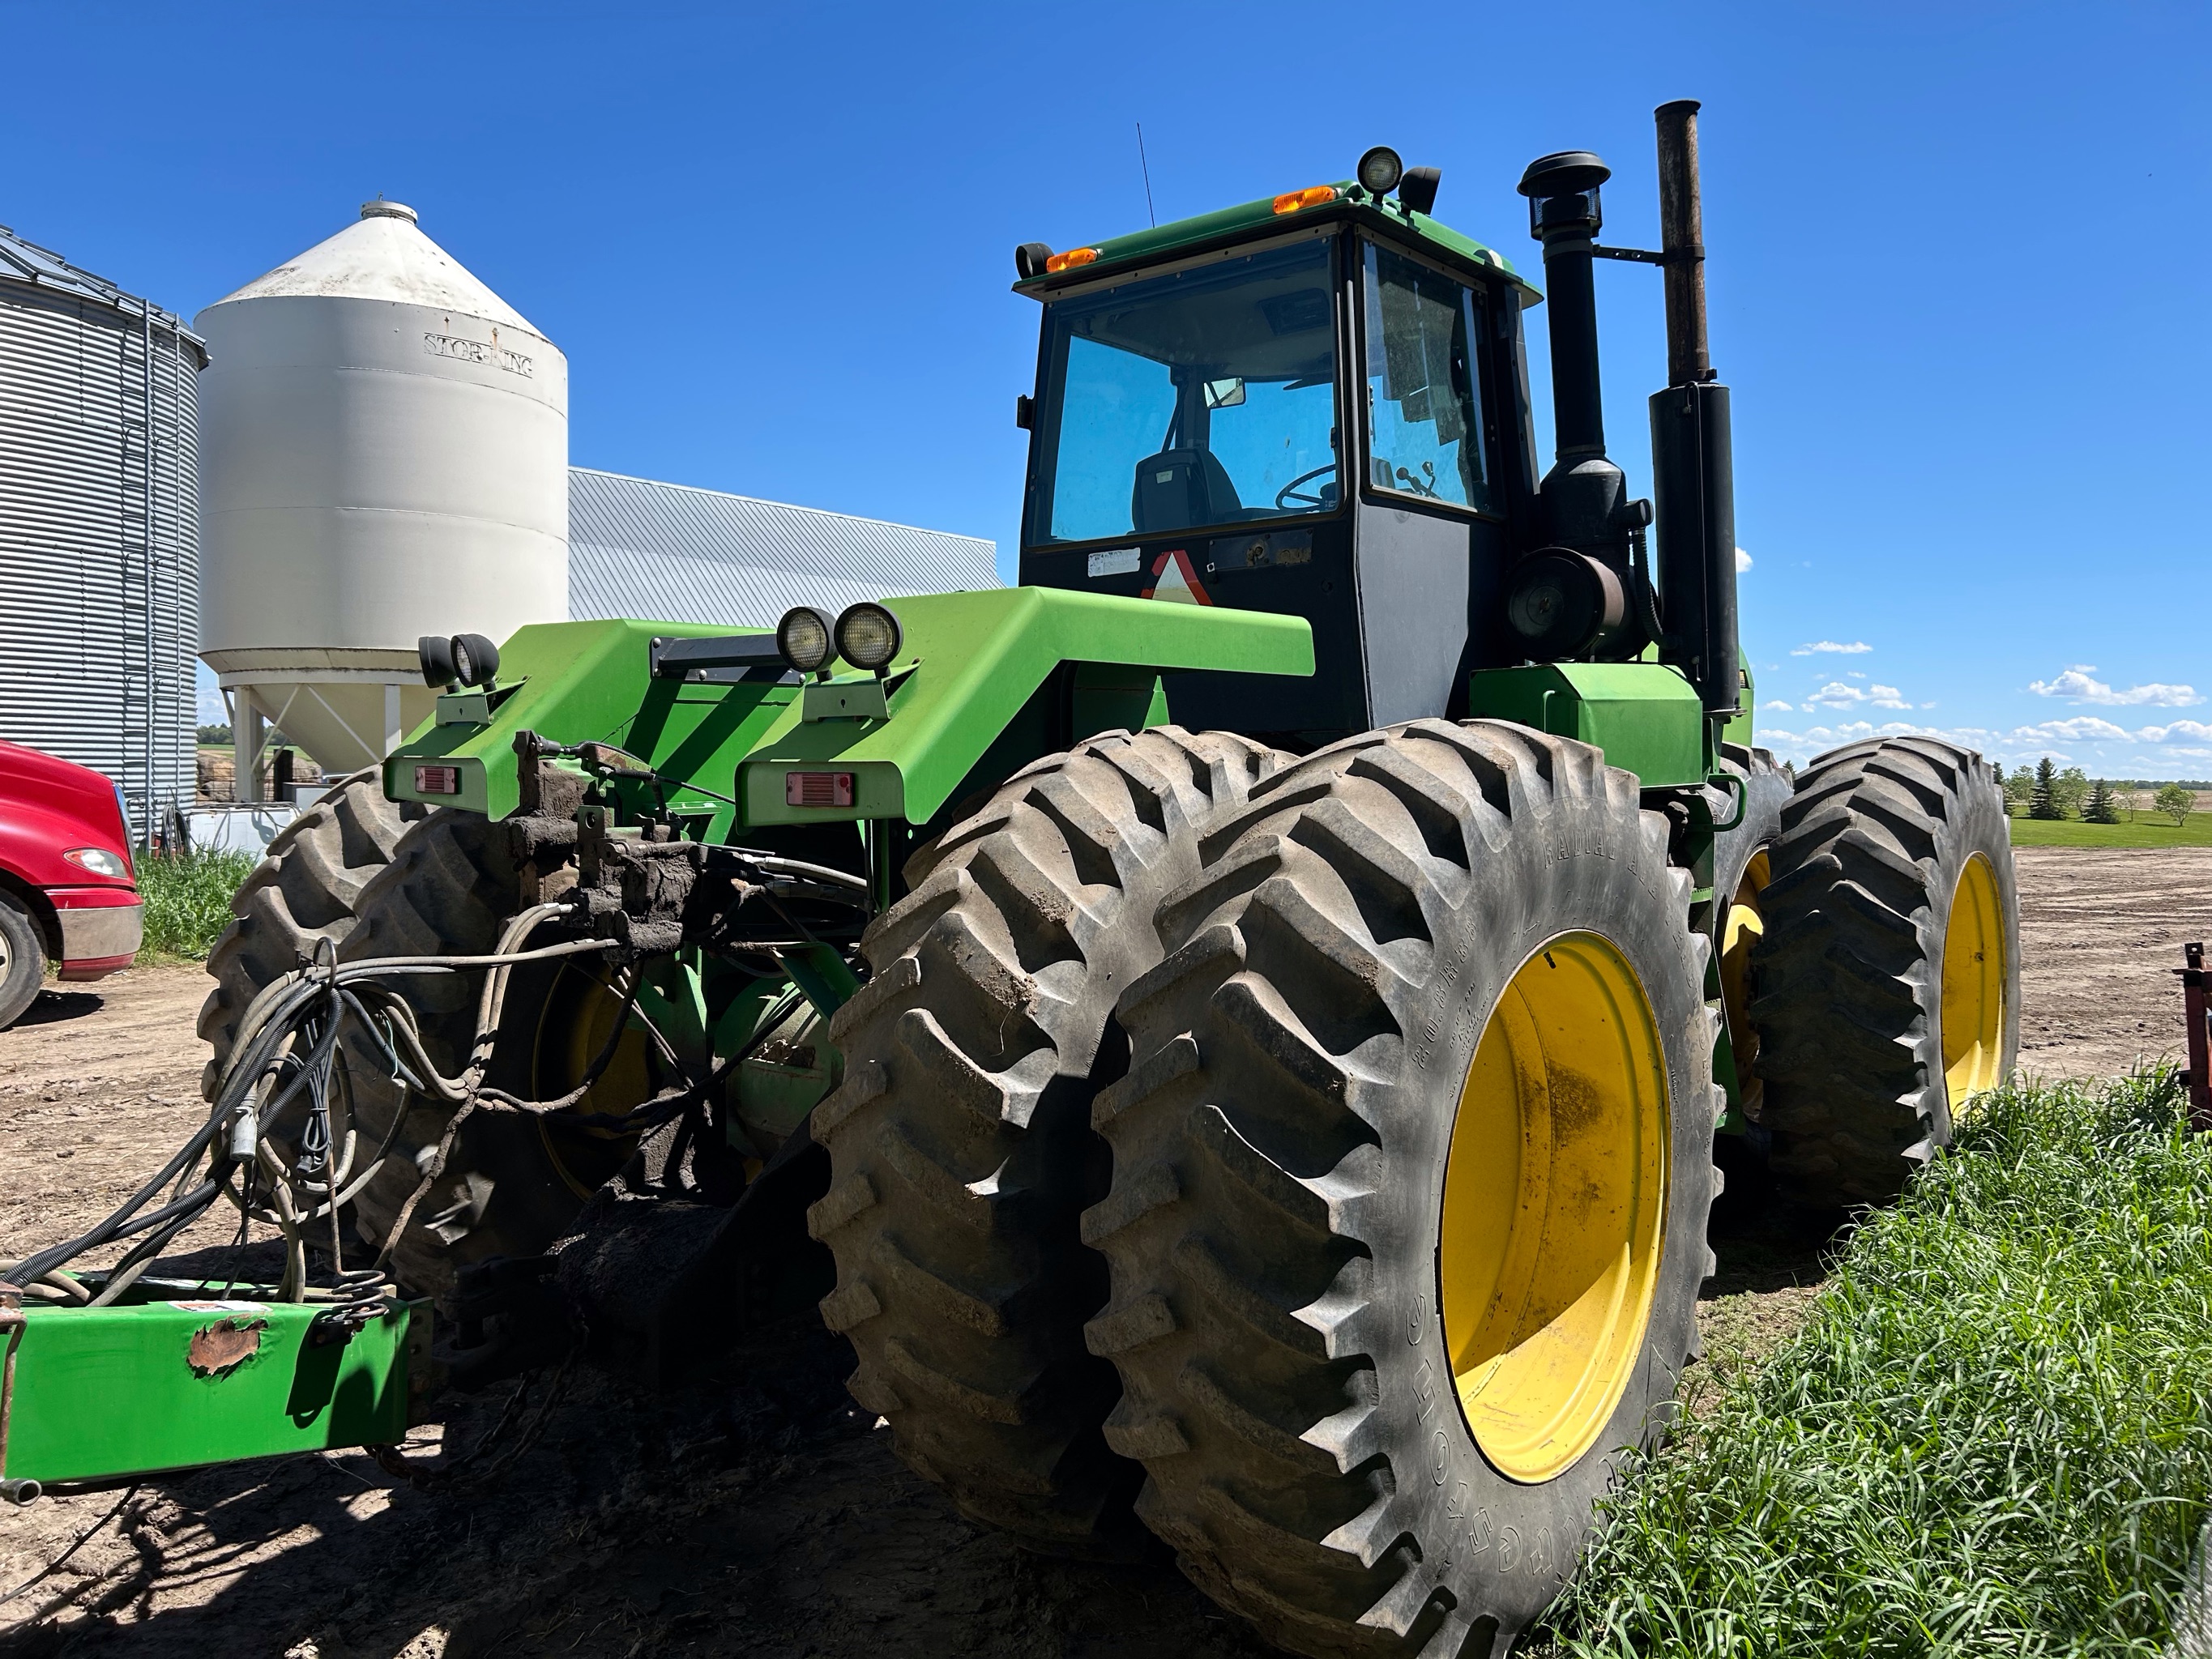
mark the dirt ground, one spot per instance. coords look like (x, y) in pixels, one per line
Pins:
(754, 1512)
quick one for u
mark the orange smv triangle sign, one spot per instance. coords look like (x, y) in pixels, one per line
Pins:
(1173, 580)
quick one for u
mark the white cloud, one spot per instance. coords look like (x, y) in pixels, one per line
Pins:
(1854, 673)
(2178, 732)
(1742, 562)
(1855, 647)
(1777, 703)
(1835, 694)
(1888, 696)
(2082, 728)
(2077, 684)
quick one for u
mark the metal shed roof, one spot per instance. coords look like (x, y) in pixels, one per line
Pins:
(664, 552)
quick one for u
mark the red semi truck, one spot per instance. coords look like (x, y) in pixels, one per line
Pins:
(68, 891)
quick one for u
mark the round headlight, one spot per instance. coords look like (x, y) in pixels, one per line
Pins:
(475, 659)
(803, 636)
(868, 636)
(1380, 169)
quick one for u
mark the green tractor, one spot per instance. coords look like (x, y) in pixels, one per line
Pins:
(1236, 1029)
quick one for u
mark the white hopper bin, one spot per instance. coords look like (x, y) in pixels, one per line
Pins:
(386, 455)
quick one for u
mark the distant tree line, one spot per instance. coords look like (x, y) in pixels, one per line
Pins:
(2043, 791)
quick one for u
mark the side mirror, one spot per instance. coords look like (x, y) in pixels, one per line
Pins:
(1224, 394)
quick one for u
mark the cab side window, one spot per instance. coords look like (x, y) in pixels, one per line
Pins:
(1425, 415)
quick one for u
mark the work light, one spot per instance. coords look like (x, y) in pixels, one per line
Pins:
(868, 636)
(436, 656)
(803, 638)
(1380, 170)
(475, 659)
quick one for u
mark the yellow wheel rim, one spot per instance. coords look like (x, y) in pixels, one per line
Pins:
(1742, 928)
(573, 1025)
(1973, 1010)
(1555, 1207)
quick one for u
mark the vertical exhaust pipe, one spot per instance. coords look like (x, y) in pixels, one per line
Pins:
(1692, 460)
(1571, 597)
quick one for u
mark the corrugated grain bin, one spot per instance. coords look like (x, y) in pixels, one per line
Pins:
(387, 452)
(98, 526)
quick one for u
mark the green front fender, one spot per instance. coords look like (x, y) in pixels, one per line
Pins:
(969, 665)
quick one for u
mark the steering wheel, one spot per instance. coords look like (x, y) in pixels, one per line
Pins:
(1285, 496)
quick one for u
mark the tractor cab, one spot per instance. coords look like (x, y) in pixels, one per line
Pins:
(1313, 404)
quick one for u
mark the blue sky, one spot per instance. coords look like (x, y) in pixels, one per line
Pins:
(1957, 262)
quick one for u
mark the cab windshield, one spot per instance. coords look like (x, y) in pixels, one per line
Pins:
(1204, 398)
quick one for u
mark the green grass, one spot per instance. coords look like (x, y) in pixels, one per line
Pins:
(187, 901)
(1993, 1436)
(2145, 831)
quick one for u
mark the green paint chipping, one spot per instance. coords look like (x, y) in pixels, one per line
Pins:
(111, 1391)
(975, 659)
(1644, 715)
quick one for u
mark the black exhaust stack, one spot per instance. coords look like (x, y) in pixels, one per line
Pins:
(1571, 597)
(1693, 464)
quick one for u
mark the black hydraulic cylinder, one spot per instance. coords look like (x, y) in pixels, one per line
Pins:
(1692, 458)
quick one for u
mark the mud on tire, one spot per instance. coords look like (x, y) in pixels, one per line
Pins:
(1848, 981)
(960, 1142)
(1279, 1144)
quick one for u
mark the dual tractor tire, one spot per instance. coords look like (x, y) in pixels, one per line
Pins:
(1240, 1317)
(1885, 985)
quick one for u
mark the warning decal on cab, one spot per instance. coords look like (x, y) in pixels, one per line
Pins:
(1174, 580)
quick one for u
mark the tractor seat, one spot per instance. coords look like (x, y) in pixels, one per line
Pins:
(1179, 489)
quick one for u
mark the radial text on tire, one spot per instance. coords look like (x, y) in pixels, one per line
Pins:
(1411, 1176)
(1887, 985)
(960, 1142)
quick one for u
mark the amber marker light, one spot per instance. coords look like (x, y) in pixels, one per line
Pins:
(1070, 260)
(1291, 201)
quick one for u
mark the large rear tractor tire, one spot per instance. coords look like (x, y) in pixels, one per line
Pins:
(960, 1142)
(1886, 985)
(380, 880)
(1412, 1169)
(305, 892)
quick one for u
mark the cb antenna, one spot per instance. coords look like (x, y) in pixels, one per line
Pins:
(1147, 170)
